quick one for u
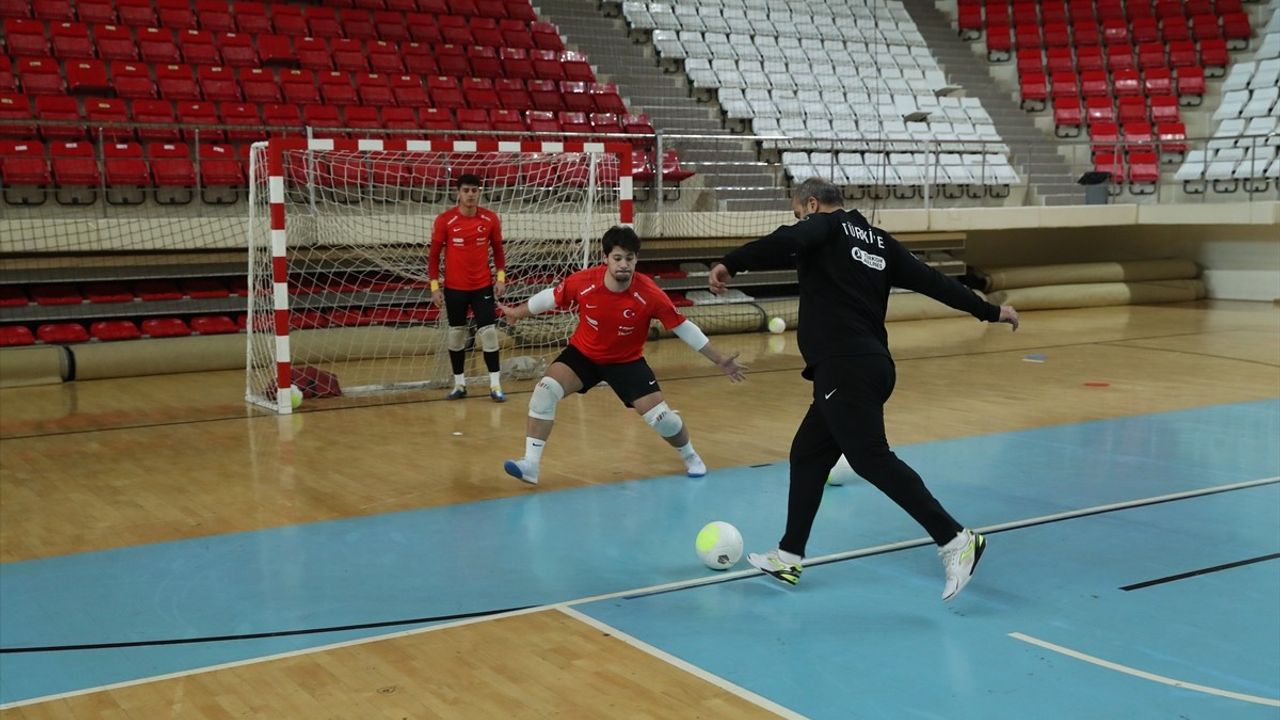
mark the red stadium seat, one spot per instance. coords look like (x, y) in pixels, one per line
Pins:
(276, 50)
(299, 86)
(139, 13)
(218, 84)
(16, 107)
(288, 19)
(60, 115)
(22, 162)
(336, 89)
(543, 122)
(512, 93)
(204, 288)
(105, 115)
(280, 116)
(62, 333)
(391, 26)
(241, 115)
(115, 42)
(507, 121)
(1099, 110)
(452, 60)
(605, 122)
(97, 11)
(158, 45)
(177, 82)
(74, 164)
(15, 335)
(359, 25)
(1090, 58)
(213, 325)
(1157, 81)
(171, 165)
(480, 93)
(7, 82)
(1064, 85)
(25, 37)
(374, 89)
(419, 59)
(215, 16)
(546, 36)
(88, 77)
(362, 117)
(399, 118)
(348, 55)
(445, 92)
(574, 122)
(1144, 169)
(1104, 136)
(107, 292)
(156, 290)
(71, 40)
(1126, 82)
(484, 62)
(545, 95)
(1067, 117)
(54, 10)
(1164, 108)
(1094, 83)
(40, 76)
(110, 330)
(176, 14)
(251, 18)
(194, 114)
(155, 111)
(12, 296)
(546, 65)
(237, 48)
(132, 80)
(1191, 84)
(384, 57)
(1171, 138)
(1033, 88)
(605, 98)
(407, 91)
(672, 170)
(56, 294)
(123, 165)
(165, 327)
(1131, 110)
(260, 86)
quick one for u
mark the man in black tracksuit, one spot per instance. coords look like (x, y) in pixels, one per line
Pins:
(846, 268)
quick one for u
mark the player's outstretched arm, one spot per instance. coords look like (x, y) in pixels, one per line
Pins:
(1009, 315)
(538, 304)
(728, 364)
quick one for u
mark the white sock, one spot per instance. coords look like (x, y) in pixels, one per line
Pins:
(789, 558)
(533, 449)
(686, 451)
(459, 381)
(495, 380)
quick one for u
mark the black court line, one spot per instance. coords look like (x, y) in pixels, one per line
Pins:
(906, 545)
(254, 414)
(921, 542)
(1201, 571)
(261, 635)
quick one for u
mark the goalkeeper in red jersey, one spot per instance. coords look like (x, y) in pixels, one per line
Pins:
(466, 234)
(615, 305)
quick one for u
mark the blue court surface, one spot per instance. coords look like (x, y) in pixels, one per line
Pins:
(865, 636)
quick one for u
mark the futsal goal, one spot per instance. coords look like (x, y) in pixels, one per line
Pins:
(338, 237)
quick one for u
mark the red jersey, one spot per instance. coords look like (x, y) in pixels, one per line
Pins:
(613, 326)
(466, 242)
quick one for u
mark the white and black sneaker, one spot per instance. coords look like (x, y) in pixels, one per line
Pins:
(773, 565)
(959, 558)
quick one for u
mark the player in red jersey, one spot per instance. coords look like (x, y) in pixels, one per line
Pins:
(615, 305)
(466, 234)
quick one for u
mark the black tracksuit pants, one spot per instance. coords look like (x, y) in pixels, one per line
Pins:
(847, 416)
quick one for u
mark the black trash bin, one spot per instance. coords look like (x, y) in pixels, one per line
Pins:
(1097, 187)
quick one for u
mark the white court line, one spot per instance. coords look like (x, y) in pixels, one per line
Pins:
(1271, 702)
(652, 589)
(694, 670)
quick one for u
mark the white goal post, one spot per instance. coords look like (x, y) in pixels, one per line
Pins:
(338, 239)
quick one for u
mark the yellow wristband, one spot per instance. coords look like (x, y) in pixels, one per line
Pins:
(502, 276)
(435, 285)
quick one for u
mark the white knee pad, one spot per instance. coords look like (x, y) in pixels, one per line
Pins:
(488, 337)
(665, 420)
(542, 404)
(457, 338)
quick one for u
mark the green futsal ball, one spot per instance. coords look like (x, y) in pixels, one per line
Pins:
(719, 545)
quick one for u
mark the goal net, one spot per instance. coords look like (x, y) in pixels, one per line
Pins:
(339, 232)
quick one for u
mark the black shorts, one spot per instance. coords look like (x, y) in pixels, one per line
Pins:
(479, 301)
(629, 380)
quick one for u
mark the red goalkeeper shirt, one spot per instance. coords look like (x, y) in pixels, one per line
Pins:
(613, 326)
(466, 242)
